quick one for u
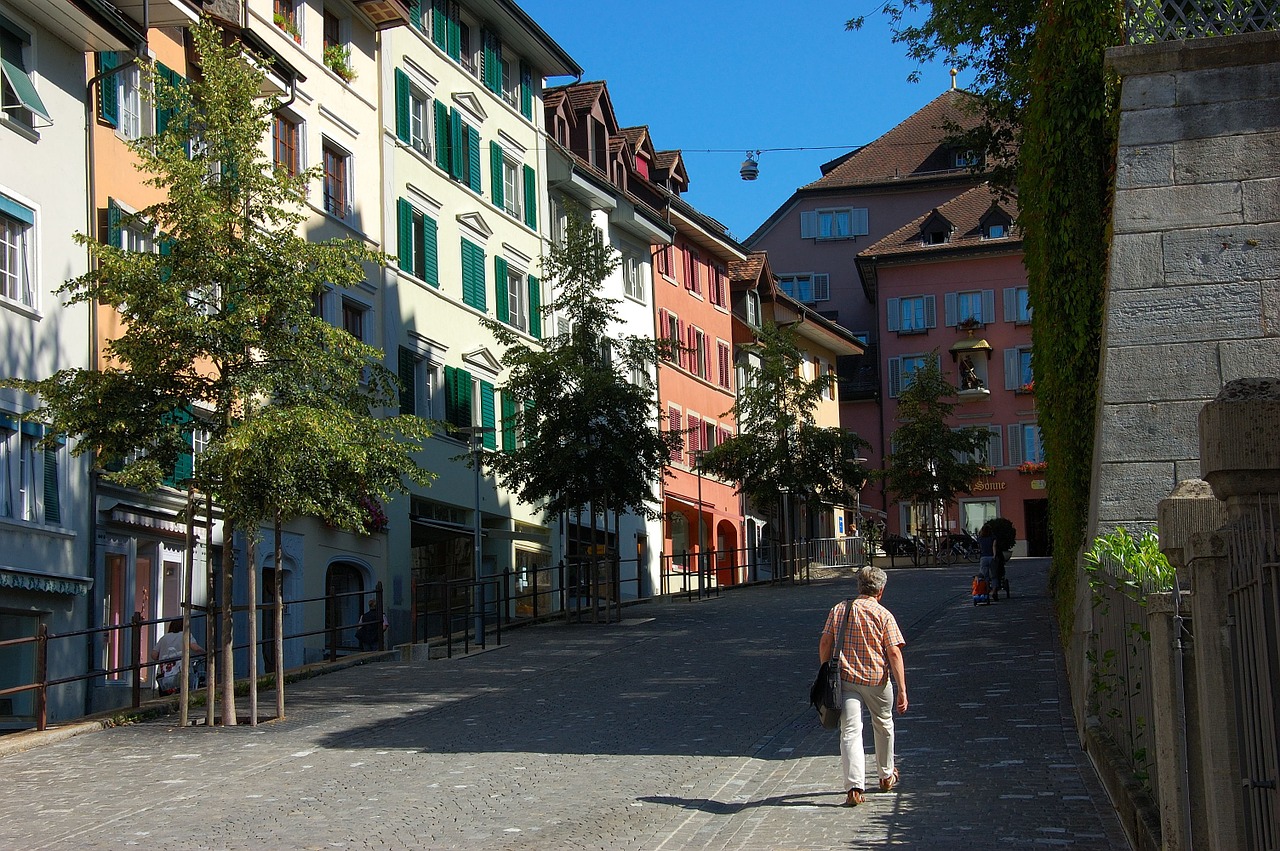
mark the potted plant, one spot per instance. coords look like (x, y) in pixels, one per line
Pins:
(1031, 468)
(338, 58)
(1029, 387)
(969, 323)
(287, 24)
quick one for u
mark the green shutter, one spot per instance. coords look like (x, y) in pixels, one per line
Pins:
(52, 497)
(530, 197)
(163, 115)
(408, 382)
(457, 138)
(526, 91)
(473, 157)
(450, 394)
(442, 136)
(508, 422)
(500, 289)
(184, 467)
(402, 106)
(115, 233)
(404, 234)
(535, 308)
(108, 99)
(165, 248)
(439, 24)
(455, 38)
(415, 14)
(486, 415)
(473, 275)
(463, 379)
(495, 174)
(488, 61)
(430, 260)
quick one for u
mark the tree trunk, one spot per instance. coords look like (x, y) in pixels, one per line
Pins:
(184, 688)
(278, 614)
(210, 628)
(228, 625)
(251, 576)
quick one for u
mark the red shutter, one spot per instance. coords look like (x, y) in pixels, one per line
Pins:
(723, 353)
(682, 339)
(725, 434)
(695, 436)
(664, 323)
(675, 425)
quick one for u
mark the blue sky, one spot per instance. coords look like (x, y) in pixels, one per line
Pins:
(718, 75)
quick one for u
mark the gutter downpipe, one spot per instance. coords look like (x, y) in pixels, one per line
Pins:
(91, 230)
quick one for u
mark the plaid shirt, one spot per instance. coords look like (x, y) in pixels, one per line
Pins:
(870, 632)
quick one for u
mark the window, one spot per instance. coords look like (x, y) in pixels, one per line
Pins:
(446, 29)
(417, 377)
(457, 396)
(353, 319)
(967, 159)
(18, 96)
(285, 15)
(724, 361)
(559, 220)
(719, 285)
(1017, 305)
(937, 235)
(901, 369)
(834, 223)
(286, 153)
(1025, 446)
(1017, 369)
(413, 114)
(511, 187)
(418, 249)
(975, 307)
(17, 279)
(129, 100)
(995, 230)
(666, 263)
(336, 168)
(752, 305)
(511, 82)
(332, 26)
(513, 288)
(808, 288)
(457, 147)
(912, 315)
(990, 454)
(633, 276)
(675, 425)
(30, 477)
(693, 272)
(698, 355)
(974, 513)
(671, 331)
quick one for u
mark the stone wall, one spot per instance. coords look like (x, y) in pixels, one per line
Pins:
(1193, 296)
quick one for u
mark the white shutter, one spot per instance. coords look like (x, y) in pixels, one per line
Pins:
(931, 311)
(894, 315)
(859, 221)
(949, 310)
(1015, 445)
(895, 377)
(1010, 304)
(988, 306)
(809, 225)
(1011, 369)
(821, 287)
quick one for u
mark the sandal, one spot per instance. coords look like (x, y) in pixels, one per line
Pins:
(853, 798)
(887, 784)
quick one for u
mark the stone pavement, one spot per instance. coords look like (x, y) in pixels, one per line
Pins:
(687, 726)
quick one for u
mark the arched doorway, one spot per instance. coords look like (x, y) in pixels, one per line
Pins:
(344, 585)
(726, 554)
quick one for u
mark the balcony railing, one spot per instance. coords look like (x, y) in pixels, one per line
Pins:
(1150, 21)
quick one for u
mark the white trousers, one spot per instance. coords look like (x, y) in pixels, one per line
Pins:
(879, 703)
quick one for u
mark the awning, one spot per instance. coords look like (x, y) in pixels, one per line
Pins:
(48, 583)
(28, 97)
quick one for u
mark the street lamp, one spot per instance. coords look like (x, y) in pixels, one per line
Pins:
(697, 467)
(476, 435)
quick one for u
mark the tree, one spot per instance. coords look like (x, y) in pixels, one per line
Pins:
(931, 462)
(578, 434)
(779, 447)
(220, 327)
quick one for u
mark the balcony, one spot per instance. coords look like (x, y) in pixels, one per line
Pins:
(1153, 21)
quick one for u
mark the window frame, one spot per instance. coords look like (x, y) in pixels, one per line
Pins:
(633, 277)
(340, 155)
(294, 168)
(22, 112)
(22, 248)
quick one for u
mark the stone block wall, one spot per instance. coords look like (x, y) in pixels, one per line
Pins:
(1193, 296)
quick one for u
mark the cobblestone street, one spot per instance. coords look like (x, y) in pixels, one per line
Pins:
(686, 726)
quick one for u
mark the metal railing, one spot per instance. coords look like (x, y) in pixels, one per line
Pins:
(1152, 21)
(130, 639)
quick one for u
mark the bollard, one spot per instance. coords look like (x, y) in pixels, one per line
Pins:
(42, 677)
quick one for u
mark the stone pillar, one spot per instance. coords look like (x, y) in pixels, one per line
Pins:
(1167, 722)
(1189, 521)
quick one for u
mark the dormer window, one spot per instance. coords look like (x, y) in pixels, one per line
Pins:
(936, 229)
(995, 231)
(967, 159)
(937, 237)
(995, 224)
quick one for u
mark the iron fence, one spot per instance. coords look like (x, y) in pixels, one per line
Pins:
(1152, 21)
(1120, 669)
(1253, 599)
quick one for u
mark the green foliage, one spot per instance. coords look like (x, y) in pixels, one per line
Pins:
(779, 446)
(931, 463)
(221, 324)
(1065, 190)
(590, 436)
(1137, 563)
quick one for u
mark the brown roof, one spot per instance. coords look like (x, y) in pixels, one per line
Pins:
(634, 135)
(965, 212)
(665, 159)
(914, 148)
(552, 98)
(747, 269)
(583, 95)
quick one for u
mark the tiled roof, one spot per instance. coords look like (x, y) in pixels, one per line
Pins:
(552, 98)
(583, 95)
(665, 159)
(965, 212)
(914, 148)
(634, 135)
(747, 269)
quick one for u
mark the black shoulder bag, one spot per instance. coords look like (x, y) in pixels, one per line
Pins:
(824, 694)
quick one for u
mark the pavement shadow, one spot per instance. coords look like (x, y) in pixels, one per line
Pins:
(703, 805)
